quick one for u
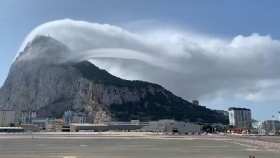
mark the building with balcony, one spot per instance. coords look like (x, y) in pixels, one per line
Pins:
(240, 118)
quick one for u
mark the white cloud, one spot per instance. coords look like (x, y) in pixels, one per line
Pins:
(190, 64)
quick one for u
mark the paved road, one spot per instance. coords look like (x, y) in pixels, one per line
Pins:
(126, 148)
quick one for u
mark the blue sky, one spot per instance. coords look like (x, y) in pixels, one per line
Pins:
(221, 18)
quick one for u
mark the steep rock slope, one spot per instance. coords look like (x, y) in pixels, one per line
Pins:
(43, 79)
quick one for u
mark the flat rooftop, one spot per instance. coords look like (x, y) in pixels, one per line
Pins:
(237, 108)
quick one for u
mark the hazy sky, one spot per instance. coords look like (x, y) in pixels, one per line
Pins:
(225, 20)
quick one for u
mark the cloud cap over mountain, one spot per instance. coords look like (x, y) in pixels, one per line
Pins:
(189, 64)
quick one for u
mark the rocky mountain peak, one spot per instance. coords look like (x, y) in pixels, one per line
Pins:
(42, 79)
(44, 48)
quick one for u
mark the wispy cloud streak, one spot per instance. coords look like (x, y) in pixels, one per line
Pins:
(191, 65)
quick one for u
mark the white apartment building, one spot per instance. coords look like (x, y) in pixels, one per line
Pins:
(240, 118)
(7, 117)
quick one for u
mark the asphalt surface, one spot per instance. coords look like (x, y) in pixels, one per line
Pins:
(90, 147)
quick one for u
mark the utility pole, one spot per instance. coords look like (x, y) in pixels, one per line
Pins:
(273, 124)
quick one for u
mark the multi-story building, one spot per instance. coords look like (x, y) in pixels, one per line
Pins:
(270, 127)
(68, 117)
(240, 118)
(7, 117)
(74, 117)
(26, 117)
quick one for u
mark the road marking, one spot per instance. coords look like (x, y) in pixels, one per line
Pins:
(83, 145)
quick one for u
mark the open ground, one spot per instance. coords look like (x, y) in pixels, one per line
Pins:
(123, 145)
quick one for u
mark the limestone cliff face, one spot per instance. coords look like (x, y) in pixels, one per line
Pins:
(44, 80)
